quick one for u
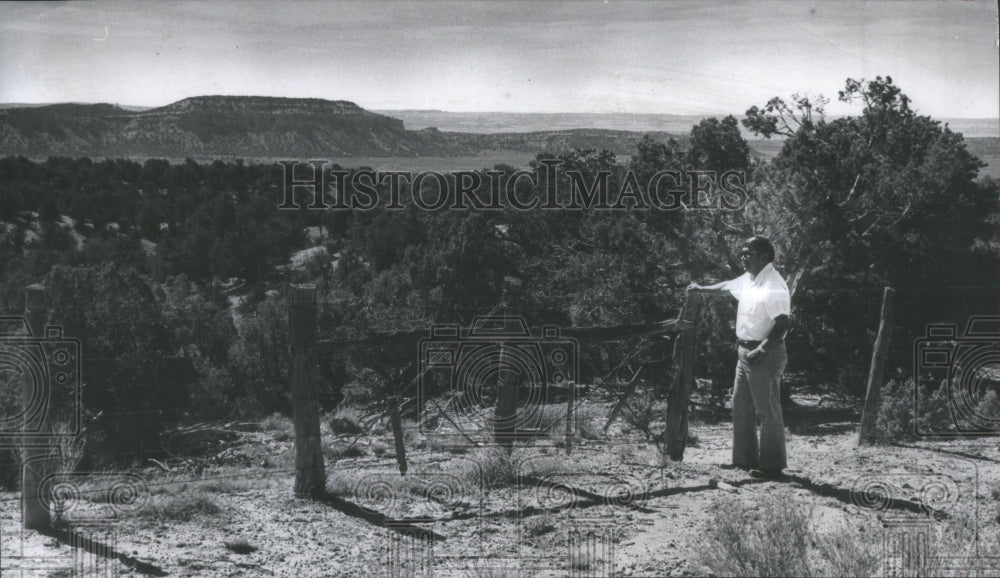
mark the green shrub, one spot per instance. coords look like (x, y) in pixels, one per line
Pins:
(895, 416)
(134, 377)
(989, 406)
(346, 420)
(338, 451)
(716, 358)
(259, 359)
(639, 412)
(590, 422)
(280, 426)
(897, 419)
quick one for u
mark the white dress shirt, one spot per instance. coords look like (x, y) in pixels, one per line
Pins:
(762, 299)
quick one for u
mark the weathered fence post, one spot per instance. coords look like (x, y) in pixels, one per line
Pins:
(873, 398)
(310, 473)
(570, 402)
(36, 454)
(397, 433)
(505, 413)
(680, 394)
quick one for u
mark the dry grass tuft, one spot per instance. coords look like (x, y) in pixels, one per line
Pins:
(540, 525)
(777, 538)
(345, 420)
(482, 568)
(491, 467)
(334, 452)
(240, 546)
(280, 426)
(182, 508)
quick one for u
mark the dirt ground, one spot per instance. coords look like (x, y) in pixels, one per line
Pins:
(610, 508)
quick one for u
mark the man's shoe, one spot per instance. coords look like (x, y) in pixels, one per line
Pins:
(766, 474)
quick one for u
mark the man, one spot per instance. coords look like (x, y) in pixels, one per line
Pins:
(761, 324)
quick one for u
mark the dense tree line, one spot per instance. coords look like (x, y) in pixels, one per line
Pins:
(886, 198)
(172, 275)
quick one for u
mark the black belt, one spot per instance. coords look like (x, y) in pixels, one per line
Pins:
(749, 344)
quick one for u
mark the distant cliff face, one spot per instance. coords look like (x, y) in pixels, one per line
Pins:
(264, 105)
(258, 127)
(251, 126)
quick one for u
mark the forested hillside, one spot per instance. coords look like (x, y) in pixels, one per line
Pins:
(174, 275)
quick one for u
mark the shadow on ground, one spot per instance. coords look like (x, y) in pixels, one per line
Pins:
(821, 420)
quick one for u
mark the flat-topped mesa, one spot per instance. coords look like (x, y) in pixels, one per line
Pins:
(70, 109)
(210, 126)
(263, 105)
(263, 127)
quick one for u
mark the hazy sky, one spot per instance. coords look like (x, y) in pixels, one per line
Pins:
(702, 57)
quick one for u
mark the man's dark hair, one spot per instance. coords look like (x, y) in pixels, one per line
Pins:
(761, 245)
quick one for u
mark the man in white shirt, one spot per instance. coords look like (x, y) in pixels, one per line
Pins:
(761, 324)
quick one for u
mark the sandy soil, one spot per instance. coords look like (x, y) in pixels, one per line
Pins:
(610, 508)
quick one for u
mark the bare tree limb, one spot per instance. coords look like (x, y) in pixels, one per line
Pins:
(872, 226)
(854, 188)
(905, 212)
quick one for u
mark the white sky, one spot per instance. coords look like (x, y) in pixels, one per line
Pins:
(704, 57)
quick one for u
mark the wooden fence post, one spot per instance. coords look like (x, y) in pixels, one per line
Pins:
(505, 412)
(36, 463)
(310, 473)
(680, 394)
(873, 397)
(397, 433)
(570, 402)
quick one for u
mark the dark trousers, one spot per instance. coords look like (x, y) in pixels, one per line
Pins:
(757, 395)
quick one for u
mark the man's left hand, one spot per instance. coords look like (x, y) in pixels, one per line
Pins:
(756, 355)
